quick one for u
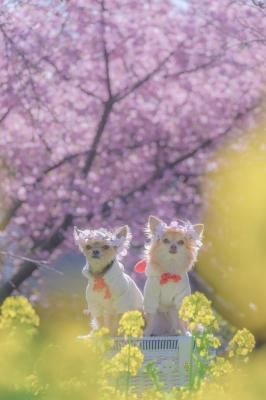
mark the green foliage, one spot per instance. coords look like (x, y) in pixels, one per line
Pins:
(153, 373)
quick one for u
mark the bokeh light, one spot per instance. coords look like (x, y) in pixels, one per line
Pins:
(234, 260)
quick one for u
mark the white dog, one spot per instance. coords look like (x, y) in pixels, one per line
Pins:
(110, 292)
(169, 256)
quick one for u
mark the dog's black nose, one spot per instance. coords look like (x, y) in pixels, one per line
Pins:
(173, 248)
(95, 253)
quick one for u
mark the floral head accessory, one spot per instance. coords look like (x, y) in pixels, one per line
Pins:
(156, 229)
(119, 239)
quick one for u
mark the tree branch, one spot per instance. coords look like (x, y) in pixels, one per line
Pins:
(106, 57)
(140, 82)
(3, 117)
(100, 129)
(39, 263)
(68, 79)
(64, 160)
(28, 267)
(9, 214)
(158, 174)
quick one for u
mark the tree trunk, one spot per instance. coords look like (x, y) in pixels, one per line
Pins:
(25, 271)
(27, 268)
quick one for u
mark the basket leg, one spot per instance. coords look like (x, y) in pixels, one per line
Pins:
(186, 345)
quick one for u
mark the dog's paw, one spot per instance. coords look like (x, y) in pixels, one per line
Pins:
(147, 331)
(149, 325)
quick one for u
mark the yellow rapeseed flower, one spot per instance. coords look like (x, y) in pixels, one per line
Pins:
(100, 341)
(129, 360)
(196, 310)
(241, 344)
(17, 314)
(220, 366)
(131, 324)
(216, 343)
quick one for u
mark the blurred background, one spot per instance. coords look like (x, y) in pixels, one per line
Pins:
(114, 110)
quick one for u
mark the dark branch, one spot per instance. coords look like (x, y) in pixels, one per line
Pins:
(9, 214)
(91, 154)
(106, 56)
(64, 160)
(158, 174)
(140, 82)
(3, 117)
(28, 267)
(67, 78)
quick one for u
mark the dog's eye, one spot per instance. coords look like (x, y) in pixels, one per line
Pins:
(166, 241)
(88, 247)
(181, 242)
(106, 247)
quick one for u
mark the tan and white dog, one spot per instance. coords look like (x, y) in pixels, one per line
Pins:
(110, 291)
(169, 256)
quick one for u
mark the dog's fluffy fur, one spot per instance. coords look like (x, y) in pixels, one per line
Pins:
(172, 249)
(103, 250)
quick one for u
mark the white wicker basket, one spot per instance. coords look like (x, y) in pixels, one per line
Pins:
(171, 354)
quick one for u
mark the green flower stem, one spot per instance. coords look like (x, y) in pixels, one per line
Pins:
(191, 365)
(201, 366)
(128, 367)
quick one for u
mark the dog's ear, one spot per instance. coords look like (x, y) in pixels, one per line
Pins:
(123, 231)
(76, 234)
(153, 222)
(199, 228)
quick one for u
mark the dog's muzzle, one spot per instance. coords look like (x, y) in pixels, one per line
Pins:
(96, 254)
(173, 250)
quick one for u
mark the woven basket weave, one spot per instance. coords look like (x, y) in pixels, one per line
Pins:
(172, 357)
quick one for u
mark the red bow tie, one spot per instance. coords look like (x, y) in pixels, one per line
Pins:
(100, 285)
(169, 277)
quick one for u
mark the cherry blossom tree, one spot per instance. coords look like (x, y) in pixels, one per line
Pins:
(110, 111)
